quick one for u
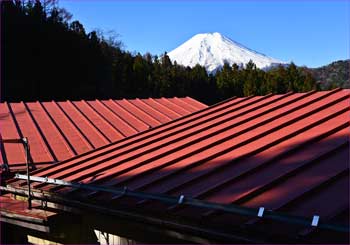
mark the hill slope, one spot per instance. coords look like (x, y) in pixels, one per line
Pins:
(336, 74)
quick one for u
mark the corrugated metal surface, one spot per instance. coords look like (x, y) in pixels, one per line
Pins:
(59, 130)
(283, 152)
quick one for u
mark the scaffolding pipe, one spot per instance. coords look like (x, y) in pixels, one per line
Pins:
(182, 200)
(26, 147)
(24, 141)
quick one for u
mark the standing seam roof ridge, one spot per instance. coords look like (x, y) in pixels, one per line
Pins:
(107, 108)
(235, 103)
(164, 107)
(299, 198)
(82, 123)
(134, 138)
(155, 110)
(212, 133)
(206, 111)
(14, 120)
(103, 121)
(107, 122)
(17, 132)
(291, 203)
(129, 102)
(270, 161)
(161, 101)
(68, 144)
(134, 115)
(234, 202)
(48, 147)
(176, 104)
(152, 109)
(128, 159)
(244, 174)
(284, 177)
(89, 123)
(246, 196)
(308, 194)
(82, 135)
(198, 103)
(184, 104)
(214, 155)
(316, 188)
(138, 165)
(121, 118)
(210, 190)
(130, 115)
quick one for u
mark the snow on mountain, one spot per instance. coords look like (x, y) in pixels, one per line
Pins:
(212, 50)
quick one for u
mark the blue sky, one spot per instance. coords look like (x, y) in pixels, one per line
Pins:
(312, 33)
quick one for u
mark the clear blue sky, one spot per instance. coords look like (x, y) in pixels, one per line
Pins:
(311, 33)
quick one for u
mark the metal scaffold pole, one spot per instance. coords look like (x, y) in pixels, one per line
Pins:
(26, 147)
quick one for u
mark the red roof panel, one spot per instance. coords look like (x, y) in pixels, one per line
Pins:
(59, 130)
(286, 153)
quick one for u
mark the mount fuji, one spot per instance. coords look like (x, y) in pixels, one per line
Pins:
(212, 50)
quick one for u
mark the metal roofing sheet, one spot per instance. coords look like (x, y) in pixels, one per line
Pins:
(59, 130)
(283, 152)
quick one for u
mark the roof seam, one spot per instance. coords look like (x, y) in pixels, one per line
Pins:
(104, 119)
(89, 122)
(164, 107)
(101, 161)
(130, 115)
(228, 149)
(153, 109)
(248, 172)
(142, 111)
(134, 138)
(138, 118)
(80, 133)
(125, 160)
(180, 110)
(70, 146)
(116, 115)
(52, 156)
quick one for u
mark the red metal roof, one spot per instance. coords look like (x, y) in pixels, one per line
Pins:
(286, 153)
(60, 130)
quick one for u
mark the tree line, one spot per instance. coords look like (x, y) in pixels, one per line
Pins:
(46, 56)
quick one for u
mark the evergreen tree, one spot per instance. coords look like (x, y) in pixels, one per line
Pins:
(251, 82)
(47, 57)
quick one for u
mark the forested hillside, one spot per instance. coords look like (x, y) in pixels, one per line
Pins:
(336, 74)
(45, 55)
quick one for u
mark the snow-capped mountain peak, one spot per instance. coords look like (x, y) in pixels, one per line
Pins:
(212, 50)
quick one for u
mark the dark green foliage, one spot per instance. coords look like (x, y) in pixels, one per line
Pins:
(47, 57)
(336, 74)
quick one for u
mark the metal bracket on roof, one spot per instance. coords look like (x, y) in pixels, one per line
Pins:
(181, 199)
(261, 212)
(315, 220)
